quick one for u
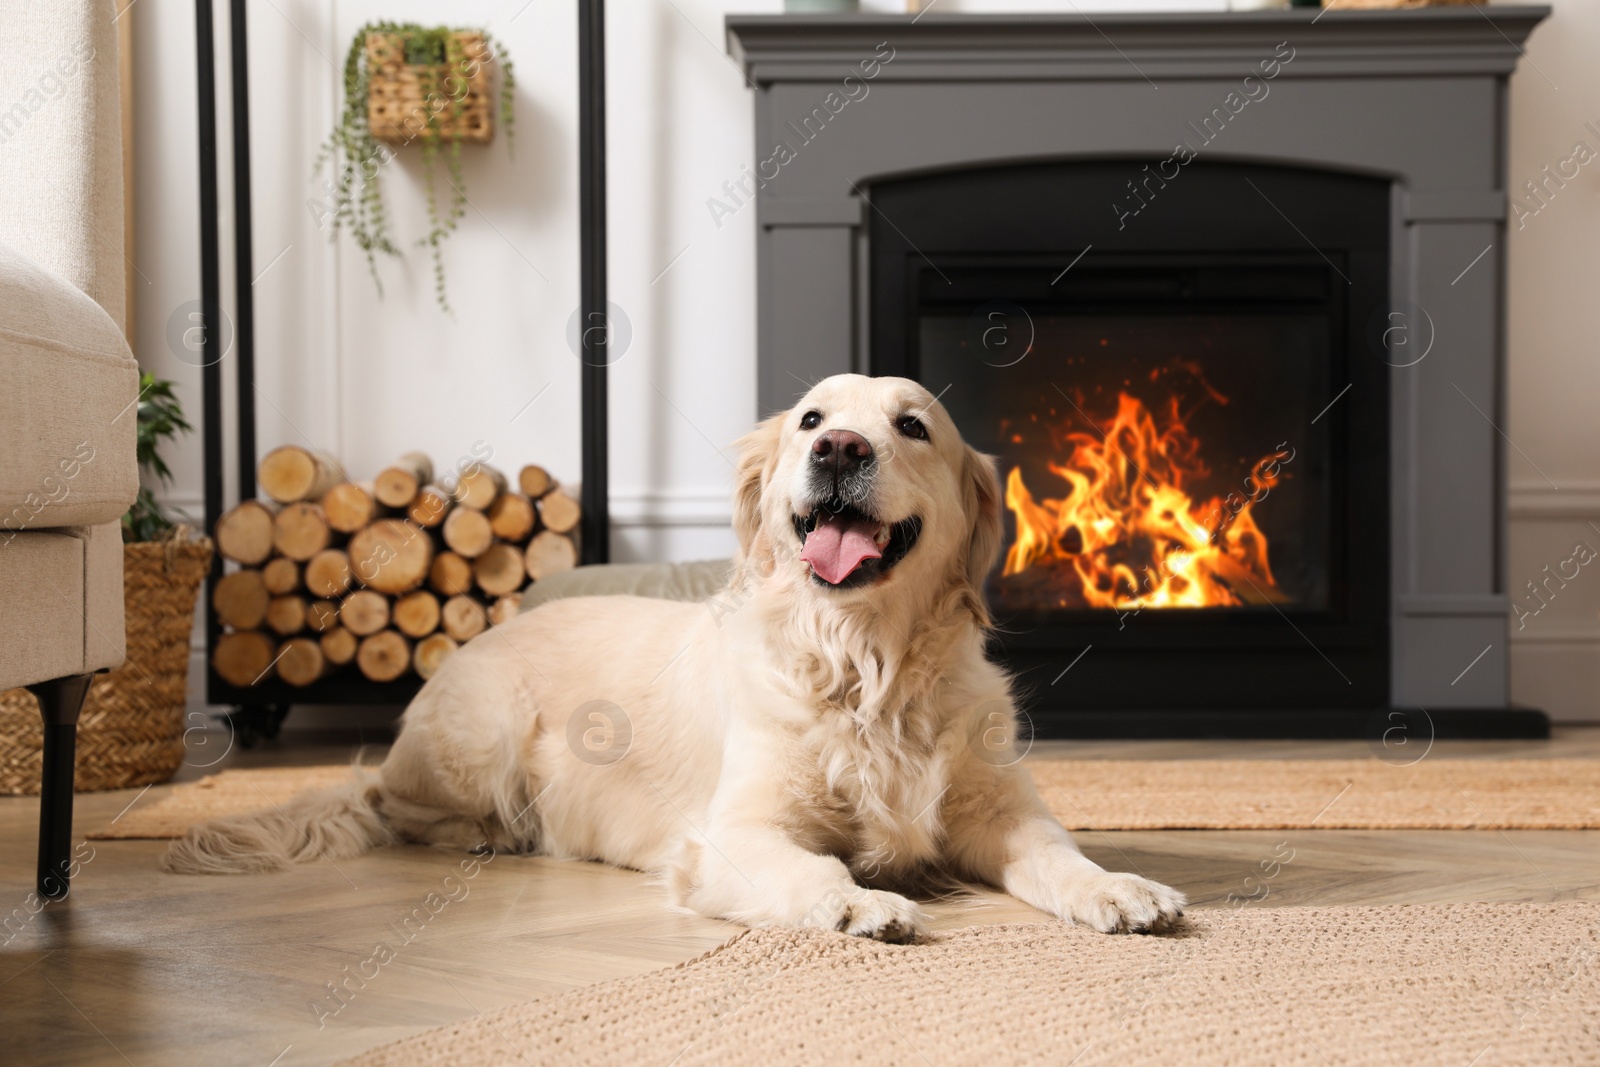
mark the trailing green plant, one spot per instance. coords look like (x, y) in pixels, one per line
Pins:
(160, 419)
(356, 156)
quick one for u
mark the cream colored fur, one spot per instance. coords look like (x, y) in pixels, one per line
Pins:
(791, 752)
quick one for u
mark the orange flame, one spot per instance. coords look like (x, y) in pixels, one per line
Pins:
(1129, 535)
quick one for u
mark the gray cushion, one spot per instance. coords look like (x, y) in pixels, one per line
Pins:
(663, 581)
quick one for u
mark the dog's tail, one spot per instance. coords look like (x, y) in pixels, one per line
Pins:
(333, 824)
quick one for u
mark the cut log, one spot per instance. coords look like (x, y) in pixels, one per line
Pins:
(499, 570)
(396, 486)
(338, 646)
(416, 614)
(328, 574)
(430, 507)
(450, 575)
(559, 512)
(300, 661)
(322, 616)
(364, 612)
(291, 473)
(1240, 579)
(505, 608)
(384, 656)
(535, 481)
(467, 532)
(244, 533)
(349, 506)
(241, 600)
(301, 531)
(480, 486)
(430, 654)
(286, 615)
(243, 658)
(281, 575)
(463, 618)
(391, 556)
(512, 517)
(549, 553)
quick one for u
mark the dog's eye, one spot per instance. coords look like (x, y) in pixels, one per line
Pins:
(912, 426)
(811, 420)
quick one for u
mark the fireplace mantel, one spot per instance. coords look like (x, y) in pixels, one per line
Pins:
(1133, 46)
(1416, 98)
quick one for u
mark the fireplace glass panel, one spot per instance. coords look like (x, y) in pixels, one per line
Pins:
(1149, 461)
(1189, 417)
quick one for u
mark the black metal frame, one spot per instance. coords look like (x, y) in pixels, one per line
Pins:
(596, 533)
(266, 704)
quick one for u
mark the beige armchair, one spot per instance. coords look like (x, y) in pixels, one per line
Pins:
(68, 382)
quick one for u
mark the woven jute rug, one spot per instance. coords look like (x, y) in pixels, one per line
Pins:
(1369, 794)
(227, 793)
(1433, 794)
(1455, 985)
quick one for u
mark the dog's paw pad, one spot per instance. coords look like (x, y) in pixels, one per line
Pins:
(884, 917)
(872, 913)
(1125, 903)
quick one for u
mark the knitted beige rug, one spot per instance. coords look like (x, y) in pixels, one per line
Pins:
(1473, 985)
(1433, 794)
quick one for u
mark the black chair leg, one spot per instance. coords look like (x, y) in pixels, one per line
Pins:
(60, 701)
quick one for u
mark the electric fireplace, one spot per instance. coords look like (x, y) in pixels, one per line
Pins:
(1222, 293)
(1189, 430)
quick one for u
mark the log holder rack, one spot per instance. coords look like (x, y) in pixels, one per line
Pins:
(258, 711)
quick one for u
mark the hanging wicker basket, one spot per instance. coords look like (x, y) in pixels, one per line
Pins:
(429, 101)
(132, 726)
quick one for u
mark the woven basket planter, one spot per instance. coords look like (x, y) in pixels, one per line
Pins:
(131, 729)
(401, 96)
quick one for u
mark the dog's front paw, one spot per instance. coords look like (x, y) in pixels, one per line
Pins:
(872, 913)
(1123, 904)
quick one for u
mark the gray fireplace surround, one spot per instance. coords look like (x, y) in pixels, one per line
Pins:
(1415, 97)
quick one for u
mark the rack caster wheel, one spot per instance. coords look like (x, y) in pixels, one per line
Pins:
(257, 722)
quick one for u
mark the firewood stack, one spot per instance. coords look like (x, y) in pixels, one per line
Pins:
(380, 577)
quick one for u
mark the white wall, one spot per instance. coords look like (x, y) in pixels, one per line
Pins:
(367, 378)
(1554, 267)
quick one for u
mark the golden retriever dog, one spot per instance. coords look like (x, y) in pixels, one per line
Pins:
(816, 737)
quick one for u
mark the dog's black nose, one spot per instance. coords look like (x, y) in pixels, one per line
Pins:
(841, 451)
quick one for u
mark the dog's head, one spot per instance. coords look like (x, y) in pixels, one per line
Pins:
(865, 482)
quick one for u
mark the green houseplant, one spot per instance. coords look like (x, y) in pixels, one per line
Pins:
(160, 420)
(433, 78)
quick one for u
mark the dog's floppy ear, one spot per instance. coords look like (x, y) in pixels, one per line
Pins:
(986, 529)
(758, 455)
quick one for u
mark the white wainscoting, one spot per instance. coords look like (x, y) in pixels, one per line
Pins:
(1555, 649)
(681, 525)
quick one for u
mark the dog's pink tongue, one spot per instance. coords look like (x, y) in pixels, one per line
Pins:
(838, 545)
